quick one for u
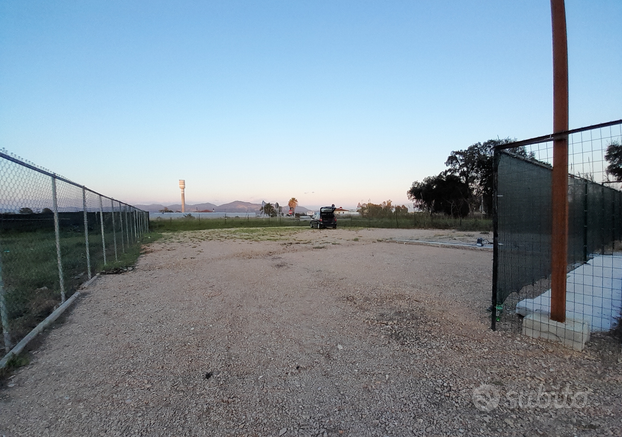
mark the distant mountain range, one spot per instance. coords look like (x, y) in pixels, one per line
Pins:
(237, 206)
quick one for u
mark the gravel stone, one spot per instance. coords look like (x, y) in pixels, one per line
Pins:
(308, 333)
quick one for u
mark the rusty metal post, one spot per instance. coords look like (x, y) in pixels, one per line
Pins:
(559, 247)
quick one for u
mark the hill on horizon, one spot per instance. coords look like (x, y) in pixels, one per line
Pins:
(235, 206)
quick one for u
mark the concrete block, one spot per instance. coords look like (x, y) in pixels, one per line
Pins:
(572, 333)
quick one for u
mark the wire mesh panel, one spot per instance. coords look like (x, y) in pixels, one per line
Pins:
(523, 223)
(111, 228)
(28, 263)
(54, 235)
(72, 240)
(524, 238)
(94, 229)
(120, 222)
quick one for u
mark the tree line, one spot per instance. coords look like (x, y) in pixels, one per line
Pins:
(467, 183)
(465, 186)
(383, 210)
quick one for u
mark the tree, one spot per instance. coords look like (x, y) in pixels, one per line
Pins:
(385, 209)
(474, 166)
(614, 158)
(401, 210)
(372, 210)
(293, 203)
(422, 193)
(268, 209)
(444, 193)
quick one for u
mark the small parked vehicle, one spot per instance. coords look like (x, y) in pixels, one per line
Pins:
(325, 218)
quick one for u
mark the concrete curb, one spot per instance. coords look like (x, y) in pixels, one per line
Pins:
(466, 246)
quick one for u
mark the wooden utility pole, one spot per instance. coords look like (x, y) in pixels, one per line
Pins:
(559, 247)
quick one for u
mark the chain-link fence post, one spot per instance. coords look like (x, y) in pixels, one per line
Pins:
(4, 314)
(114, 231)
(128, 217)
(135, 222)
(61, 277)
(130, 221)
(139, 231)
(86, 233)
(127, 226)
(101, 219)
(121, 223)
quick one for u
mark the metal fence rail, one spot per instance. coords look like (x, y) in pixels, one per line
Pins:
(54, 235)
(522, 223)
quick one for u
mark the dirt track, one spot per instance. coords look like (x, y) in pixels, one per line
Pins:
(314, 332)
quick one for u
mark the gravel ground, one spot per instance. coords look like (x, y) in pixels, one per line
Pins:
(305, 333)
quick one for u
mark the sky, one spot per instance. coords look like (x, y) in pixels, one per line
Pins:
(327, 101)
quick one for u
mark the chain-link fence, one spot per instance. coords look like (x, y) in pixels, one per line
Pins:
(54, 235)
(523, 226)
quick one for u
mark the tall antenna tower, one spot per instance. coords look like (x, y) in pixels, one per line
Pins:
(182, 185)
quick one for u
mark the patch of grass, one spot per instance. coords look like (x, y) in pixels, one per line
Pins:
(410, 221)
(287, 234)
(30, 269)
(151, 237)
(17, 361)
(14, 363)
(129, 257)
(124, 260)
(196, 224)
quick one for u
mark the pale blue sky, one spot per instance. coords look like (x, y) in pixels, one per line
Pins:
(328, 101)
